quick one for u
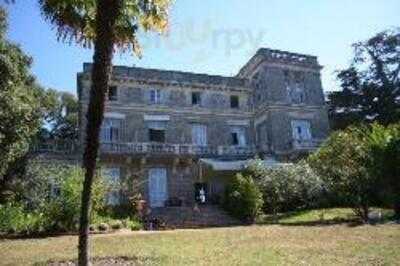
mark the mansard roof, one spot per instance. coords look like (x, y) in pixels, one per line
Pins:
(139, 73)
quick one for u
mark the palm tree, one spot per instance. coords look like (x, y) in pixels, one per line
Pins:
(106, 24)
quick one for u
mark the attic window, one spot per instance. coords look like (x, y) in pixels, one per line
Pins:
(112, 93)
(234, 101)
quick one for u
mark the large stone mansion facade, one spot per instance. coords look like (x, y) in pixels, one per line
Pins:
(176, 131)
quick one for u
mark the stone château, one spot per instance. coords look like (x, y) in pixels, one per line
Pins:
(172, 133)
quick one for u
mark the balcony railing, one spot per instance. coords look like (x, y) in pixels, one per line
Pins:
(309, 144)
(55, 147)
(178, 149)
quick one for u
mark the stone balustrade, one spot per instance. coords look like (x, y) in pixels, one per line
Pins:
(309, 144)
(178, 149)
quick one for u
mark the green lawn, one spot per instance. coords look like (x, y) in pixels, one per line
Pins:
(320, 217)
(244, 245)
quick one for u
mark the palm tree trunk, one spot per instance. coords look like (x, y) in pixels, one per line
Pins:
(106, 16)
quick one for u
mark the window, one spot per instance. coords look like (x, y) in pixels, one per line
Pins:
(156, 135)
(156, 131)
(112, 177)
(234, 101)
(296, 93)
(55, 190)
(199, 134)
(112, 93)
(235, 138)
(155, 96)
(238, 136)
(196, 98)
(301, 130)
(110, 130)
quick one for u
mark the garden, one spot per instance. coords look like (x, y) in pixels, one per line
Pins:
(357, 168)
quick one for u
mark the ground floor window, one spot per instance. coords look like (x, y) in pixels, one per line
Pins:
(113, 176)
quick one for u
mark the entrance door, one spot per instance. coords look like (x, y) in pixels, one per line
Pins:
(157, 186)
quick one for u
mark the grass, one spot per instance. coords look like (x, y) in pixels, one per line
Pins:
(337, 244)
(320, 217)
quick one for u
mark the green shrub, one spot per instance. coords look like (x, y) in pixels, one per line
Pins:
(287, 187)
(43, 212)
(116, 224)
(135, 225)
(361, 165)
(103, 227)
(15, 219)
(92, 228)
(64, 209)
(243, 198)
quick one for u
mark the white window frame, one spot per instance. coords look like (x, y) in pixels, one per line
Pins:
(305, 130)
(199, 134)
(155, 96)
(241, 135)
(111, 130)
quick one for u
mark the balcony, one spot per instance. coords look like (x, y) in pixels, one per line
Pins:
(305, 145)
(175, 149)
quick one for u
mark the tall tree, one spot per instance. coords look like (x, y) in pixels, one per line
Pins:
(371, 85)
(22, 105)
(62, 117)
(106, 24)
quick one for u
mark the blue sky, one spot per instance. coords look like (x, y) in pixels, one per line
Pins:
(211, 36)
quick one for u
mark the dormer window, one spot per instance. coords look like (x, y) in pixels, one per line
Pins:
(196, 98)
(112, 93)
(155, 96)
(234, 101)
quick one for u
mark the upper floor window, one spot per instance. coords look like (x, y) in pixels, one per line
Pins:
(238, 136)
(196, 98)
(110, 130)
(234, 101)
(199, 134)
(156, 131)
(155, 96)
(301, 130)
(296, 93)
(112, 93)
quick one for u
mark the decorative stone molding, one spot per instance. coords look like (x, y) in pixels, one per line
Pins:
(156, 117)
(238, 122)
(114, 115)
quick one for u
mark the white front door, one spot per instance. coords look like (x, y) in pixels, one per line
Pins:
(157, 186)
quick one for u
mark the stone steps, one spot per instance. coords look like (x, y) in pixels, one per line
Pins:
(190, 217)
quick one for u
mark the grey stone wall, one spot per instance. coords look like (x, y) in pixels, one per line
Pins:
(263, 95)
(269, 83)
(179, 127)
(180, 179)
(276, 131)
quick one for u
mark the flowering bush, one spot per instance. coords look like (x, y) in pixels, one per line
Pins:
(287, 187)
